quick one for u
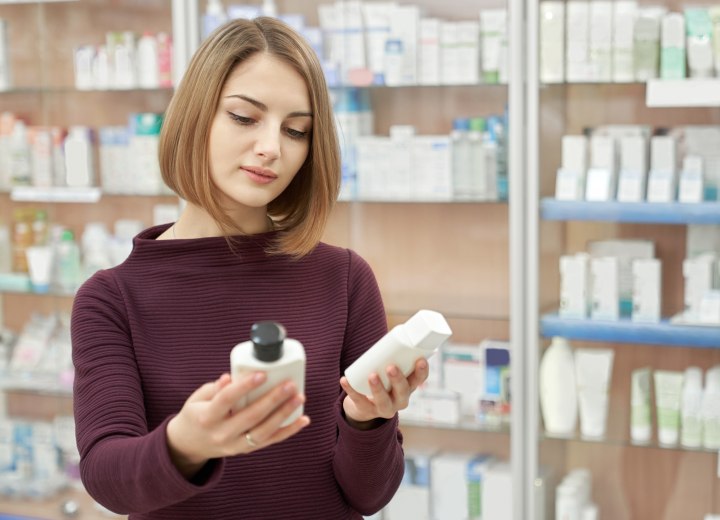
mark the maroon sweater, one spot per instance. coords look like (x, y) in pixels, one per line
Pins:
(149, 332)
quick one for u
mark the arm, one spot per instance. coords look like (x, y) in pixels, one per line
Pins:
(368, 464)
(123, 465)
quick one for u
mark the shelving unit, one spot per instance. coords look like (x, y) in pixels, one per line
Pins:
(664, 333)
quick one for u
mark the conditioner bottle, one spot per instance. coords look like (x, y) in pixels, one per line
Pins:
(403, 345)
(558, 391)
(269, 351)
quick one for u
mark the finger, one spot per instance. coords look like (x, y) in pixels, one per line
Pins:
(380, 397)
(208, 390)
(278, 435)
(231, 393)
(263, 431)
(260, 410)
(419, 375)
(350, 391)
(400, 392)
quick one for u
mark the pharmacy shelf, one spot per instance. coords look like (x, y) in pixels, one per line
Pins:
(664, 333)
(640, 212)
(55, 194)
(465, 424)
(696, 92)
(626, 443)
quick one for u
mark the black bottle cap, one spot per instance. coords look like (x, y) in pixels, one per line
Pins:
(267, 338)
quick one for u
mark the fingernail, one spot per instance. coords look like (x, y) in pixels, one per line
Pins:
(259, 377)
(393, 371)
(423, 365)
(289, 387)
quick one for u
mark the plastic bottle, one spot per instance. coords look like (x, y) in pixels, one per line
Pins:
(711, 409)
(558, 391)
(68, 275)
(164, 45)
(79, 168)
(5, 249)
(147, 61)
(691, 422)
(271, 351)
(403, 345)
(462, 168)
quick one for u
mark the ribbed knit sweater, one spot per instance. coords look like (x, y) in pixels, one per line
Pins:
(150, 331)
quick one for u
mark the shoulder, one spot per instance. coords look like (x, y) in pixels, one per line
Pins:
(341, 257)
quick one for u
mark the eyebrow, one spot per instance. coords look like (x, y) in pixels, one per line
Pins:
(264, 108)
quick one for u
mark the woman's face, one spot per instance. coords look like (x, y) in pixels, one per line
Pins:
(260, 136)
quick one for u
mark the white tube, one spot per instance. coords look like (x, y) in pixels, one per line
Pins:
(640, 412)
(668, 392)
(40, 266)
(593, 370)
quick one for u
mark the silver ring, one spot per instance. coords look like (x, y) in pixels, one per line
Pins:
(250, 441)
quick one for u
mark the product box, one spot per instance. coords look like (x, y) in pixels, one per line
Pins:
(574, 286)
(605, 273)
(457, 484)
(647, 290)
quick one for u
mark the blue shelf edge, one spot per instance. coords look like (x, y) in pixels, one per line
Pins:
(639, 212)
(626, 331)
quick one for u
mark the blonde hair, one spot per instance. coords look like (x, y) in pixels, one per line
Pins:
(301, 211)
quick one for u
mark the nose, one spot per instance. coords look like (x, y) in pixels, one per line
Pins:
(267, 144)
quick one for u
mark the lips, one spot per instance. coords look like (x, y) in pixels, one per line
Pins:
(260, 175)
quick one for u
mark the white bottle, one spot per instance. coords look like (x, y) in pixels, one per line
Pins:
(148, 73)
(558, 391)
(691, 421)
(269, 351)
(711, 409)
(79, 170)
(403, 345)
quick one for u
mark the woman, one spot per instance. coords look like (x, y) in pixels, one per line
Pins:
(249, 142)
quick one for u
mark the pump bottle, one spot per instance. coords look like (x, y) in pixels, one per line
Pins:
(269, 351)
(403, 345)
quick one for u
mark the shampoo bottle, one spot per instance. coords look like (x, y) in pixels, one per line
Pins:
(271, 351)
(690, 407)
(558, 392)
(403, 345)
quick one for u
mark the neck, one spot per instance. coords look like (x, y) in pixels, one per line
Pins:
(195, 222)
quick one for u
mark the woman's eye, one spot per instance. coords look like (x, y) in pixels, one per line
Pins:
(241, 119)
(296, 134)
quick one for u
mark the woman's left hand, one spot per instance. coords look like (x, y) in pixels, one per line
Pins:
(383, 404)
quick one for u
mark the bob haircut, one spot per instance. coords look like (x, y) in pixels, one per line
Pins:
(301, 211)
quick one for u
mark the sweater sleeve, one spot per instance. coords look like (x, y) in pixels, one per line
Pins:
(369, 464)
(123, 466)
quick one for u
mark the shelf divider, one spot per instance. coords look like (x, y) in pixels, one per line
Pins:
(664, 333)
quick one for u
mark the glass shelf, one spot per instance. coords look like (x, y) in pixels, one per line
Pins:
(624, 443)
(465, 424)
(694, 92)
(638, 212)
(627, 331)
(55, 194)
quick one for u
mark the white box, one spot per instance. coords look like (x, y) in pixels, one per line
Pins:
(464, 373)
(647, 290)
(633, 169)
(605, 272)
(624, 14)
(450, 486)
(552, 42)
(577, 50)
(699, 274)
(429, 62)
(497, 495)
(601, 182)
(600, 54)
(574, 285)
(662, 178)
(691, 188)
(570, 179)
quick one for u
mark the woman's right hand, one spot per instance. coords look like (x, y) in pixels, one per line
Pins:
(209, 426)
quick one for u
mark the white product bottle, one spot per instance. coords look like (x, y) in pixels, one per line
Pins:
(711, 409)
(269, 351)
(79, 168)
(558, 391)
(690, 418)
(148, 72)
(403, 345)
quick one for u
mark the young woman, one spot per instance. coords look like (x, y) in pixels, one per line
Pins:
(249, 142)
